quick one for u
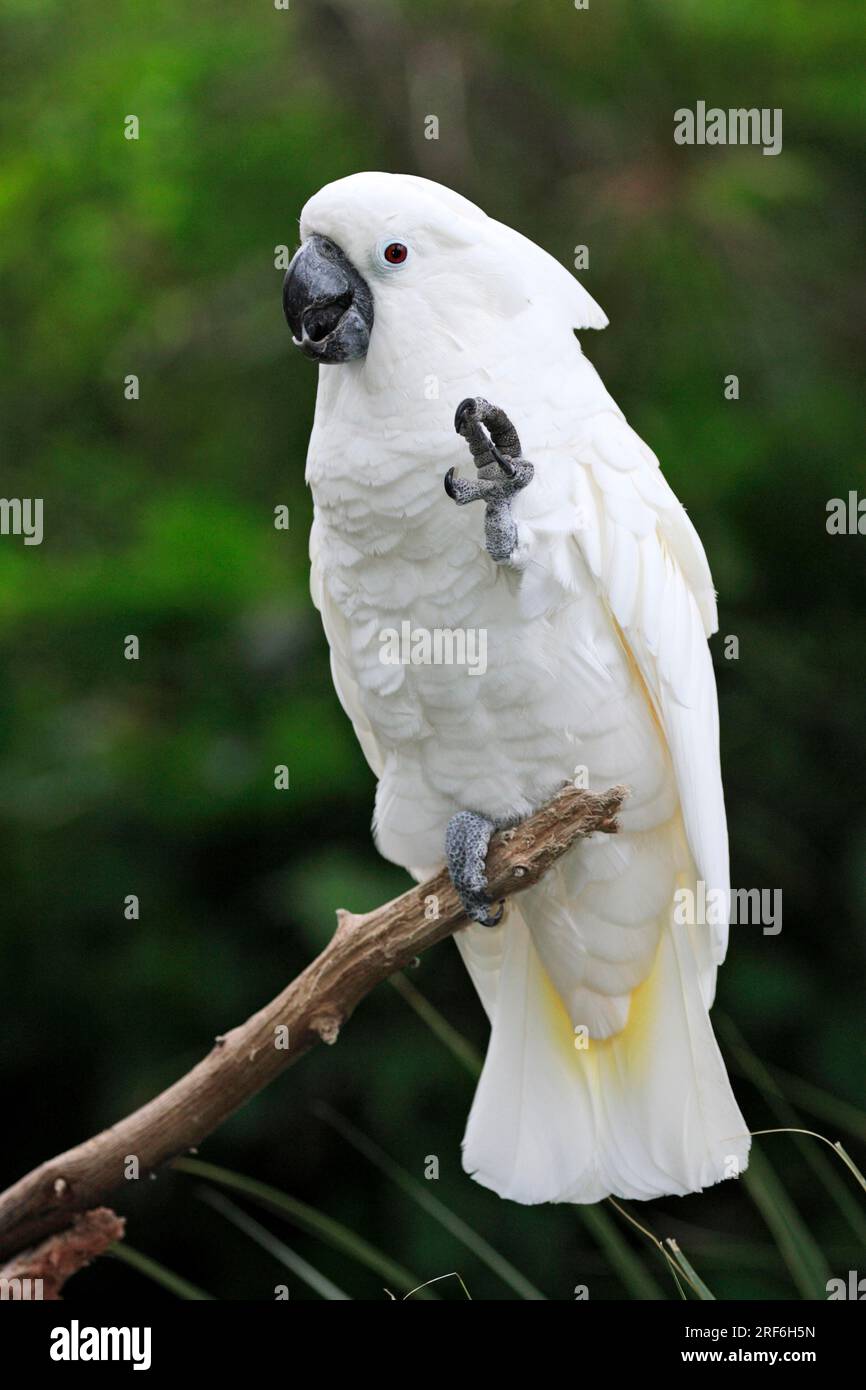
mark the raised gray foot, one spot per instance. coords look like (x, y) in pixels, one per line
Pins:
(466, 839)
(502, 472)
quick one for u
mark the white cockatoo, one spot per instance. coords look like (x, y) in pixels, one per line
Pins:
(592, 592)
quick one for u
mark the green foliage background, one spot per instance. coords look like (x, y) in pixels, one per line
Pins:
(156, 778)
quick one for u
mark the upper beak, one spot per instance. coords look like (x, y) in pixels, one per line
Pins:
(327, 302)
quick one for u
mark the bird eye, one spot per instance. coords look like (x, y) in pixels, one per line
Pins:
(392, 253)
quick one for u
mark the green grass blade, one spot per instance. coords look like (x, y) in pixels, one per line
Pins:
(820, 1103)
(319, 1283)
(813, 1134)
(151, 1269)
(639, 1282)
(797, 1247)
(437, 1280)
(452, 1223)
(849, 1162)
(805, 1094)
(688, 1270)
(754, 1069)
(674, 1267)
(447, 1034)
(306, 1218)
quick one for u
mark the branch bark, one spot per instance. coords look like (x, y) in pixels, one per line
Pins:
(50, 1264)
(363, 952)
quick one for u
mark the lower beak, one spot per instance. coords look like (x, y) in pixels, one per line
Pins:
(327, 303)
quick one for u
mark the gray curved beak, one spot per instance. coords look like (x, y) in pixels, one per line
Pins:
(327, 303)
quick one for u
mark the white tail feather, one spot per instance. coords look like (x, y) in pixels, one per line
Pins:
(647, 1113)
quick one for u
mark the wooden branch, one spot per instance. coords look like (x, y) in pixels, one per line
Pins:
(364, 951)
(48, 1266)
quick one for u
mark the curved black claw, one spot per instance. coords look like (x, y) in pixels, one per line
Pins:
(449, 483)
(466, 408)
(488, 432)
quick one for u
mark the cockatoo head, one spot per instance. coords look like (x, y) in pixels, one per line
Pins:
(399, 260)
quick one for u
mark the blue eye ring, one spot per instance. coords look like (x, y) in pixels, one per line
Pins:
(392, 253)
